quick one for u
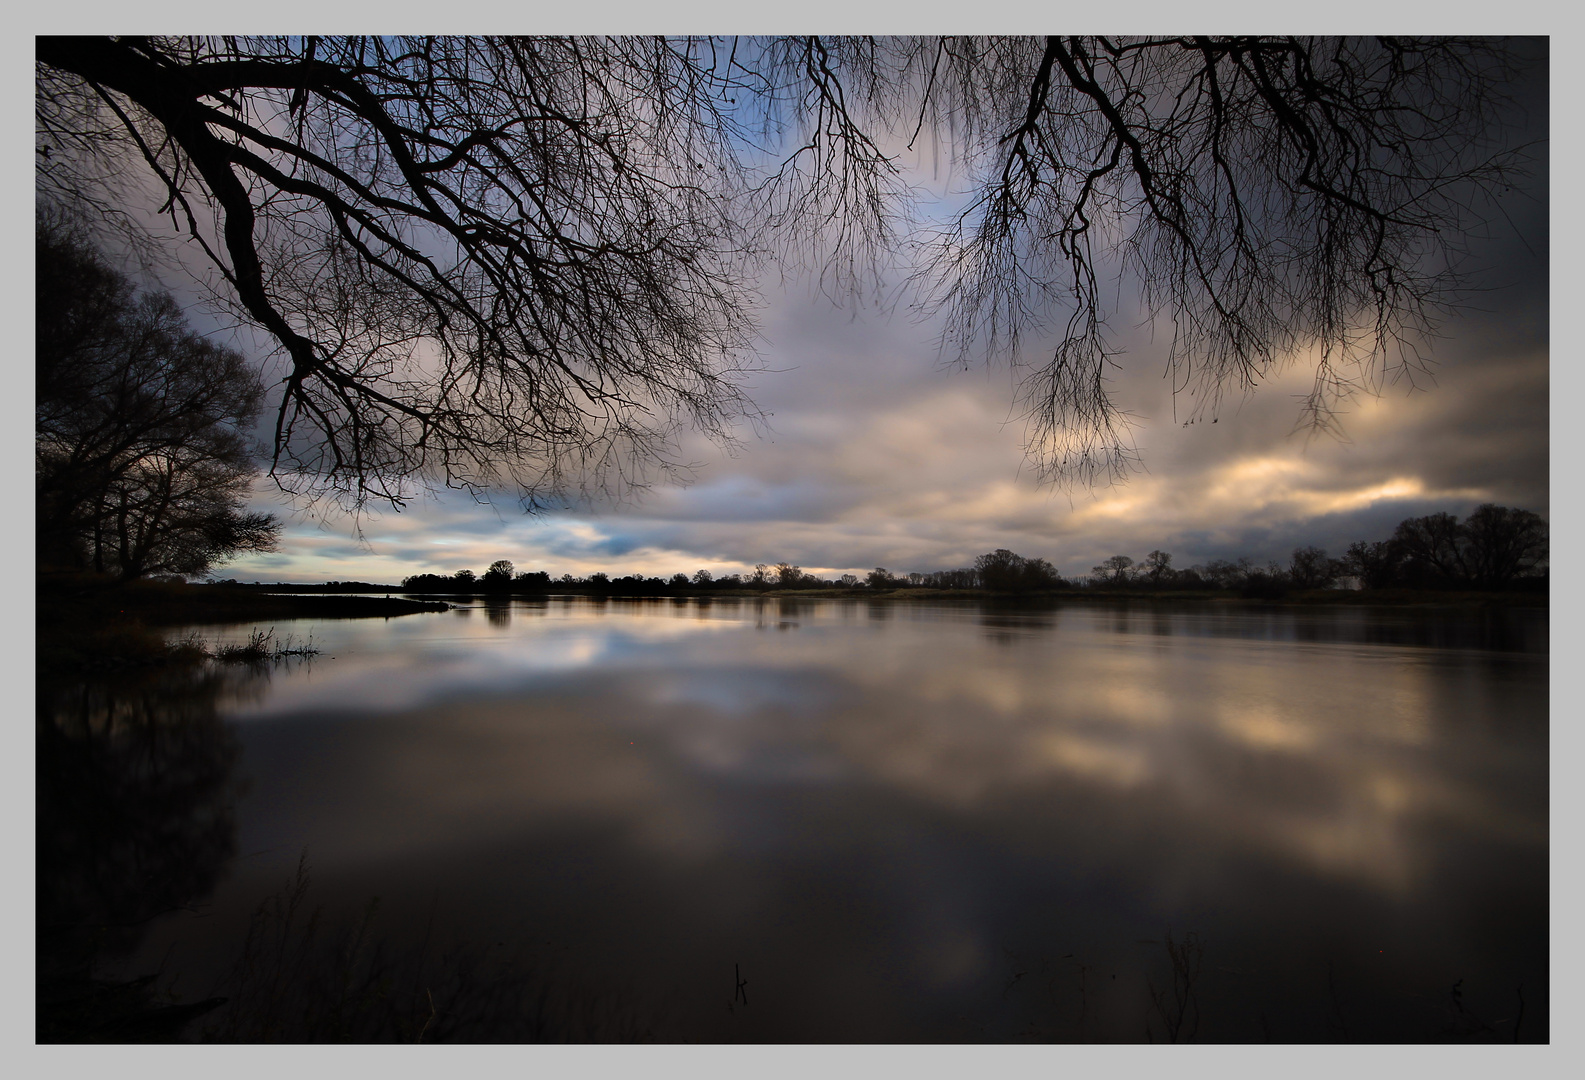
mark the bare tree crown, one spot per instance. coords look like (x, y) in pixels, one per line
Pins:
(531, 261)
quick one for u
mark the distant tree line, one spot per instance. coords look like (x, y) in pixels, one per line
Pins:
(1000, 570)
(503, 577)
(1496, 547)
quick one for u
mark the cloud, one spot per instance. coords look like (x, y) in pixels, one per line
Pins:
(878, 457)
(875, 454)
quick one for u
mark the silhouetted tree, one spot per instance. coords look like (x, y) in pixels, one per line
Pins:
(1224, 574)
(999, 570)
(1268, 583)
(1376, 563)
(499, 576)
(562, 228)
(1005, 571)
(1157, 569)
(1040, 574)
(788, 576)
(1504, 544)
(531, 580)
(1489, 549)
(880, 578)
(637, 585)
(142, 457)
(965, 578)
(1309, 568)
(1431, 547)
(848, 581)
(703, 579)
(1115, 571)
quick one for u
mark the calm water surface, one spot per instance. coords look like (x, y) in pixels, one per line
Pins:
(833, 820)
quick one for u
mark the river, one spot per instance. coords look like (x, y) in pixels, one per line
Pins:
(831, 820)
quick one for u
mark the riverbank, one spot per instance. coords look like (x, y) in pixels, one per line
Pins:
(84, 624)
(157, 603)
(1307, 598)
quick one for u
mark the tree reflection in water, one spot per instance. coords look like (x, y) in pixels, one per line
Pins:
(136, 820)
(135, 798)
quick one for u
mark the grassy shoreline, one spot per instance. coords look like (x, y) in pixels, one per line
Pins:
(84, 625)
(172, 604)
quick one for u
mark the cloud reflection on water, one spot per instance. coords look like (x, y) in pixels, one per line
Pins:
(1321, 754)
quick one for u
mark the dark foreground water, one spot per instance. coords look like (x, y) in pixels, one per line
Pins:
(824, 821)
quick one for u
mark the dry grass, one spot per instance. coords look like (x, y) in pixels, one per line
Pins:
(262, 647)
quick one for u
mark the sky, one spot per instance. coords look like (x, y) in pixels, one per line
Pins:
(875, 454)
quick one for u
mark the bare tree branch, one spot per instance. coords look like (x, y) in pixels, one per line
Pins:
(532, 261)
